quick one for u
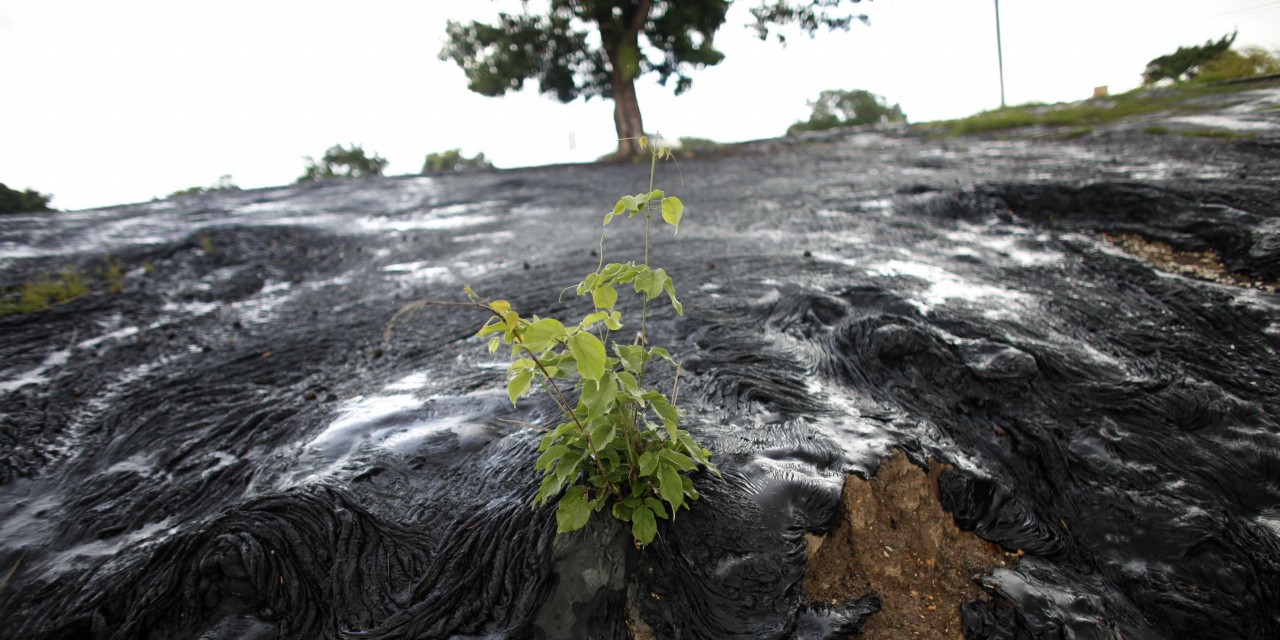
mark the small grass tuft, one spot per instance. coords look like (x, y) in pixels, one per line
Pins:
(45, 291)
(52, 289)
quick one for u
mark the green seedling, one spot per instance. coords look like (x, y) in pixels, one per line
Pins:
(619, 447)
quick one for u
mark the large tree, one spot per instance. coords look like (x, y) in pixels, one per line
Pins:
(25, 201)
(1185, 63)
(556, 47)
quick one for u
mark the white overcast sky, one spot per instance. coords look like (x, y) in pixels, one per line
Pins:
(109, 102)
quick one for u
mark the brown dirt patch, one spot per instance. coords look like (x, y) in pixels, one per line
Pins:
(895, 538)
(1206, 265)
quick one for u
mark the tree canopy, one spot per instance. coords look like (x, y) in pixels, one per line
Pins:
(597, 48)
(1186, 62)
(25, 201)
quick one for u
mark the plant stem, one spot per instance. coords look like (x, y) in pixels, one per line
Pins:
(564, 405)
(644, 303)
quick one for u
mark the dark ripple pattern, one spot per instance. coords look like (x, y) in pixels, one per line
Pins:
(228, 450)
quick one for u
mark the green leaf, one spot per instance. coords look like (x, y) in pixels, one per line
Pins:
(661, 353)
(628, 273)
(614, 321)
(629, 385)
(621, 512)
(630, 204)
(610, 270)
(670, 287)
(678, 460)
(689, 491)
(491, 327)
(511, 318)
(519, 385)
(656, 285)
(589, 352)
(643, 526)
(634, 356)
(656, 194)
(549, 456)
(670, 486)
(604, 296)
(567, 469)
(588, 283)
(656, 505)
(494, 343)
(648, 462)
(645, 281)
(672, 210)
(610, 458)
(574, 510)
(667, 411)
(602, 434)
(543, 333)
(600, 395)
(551, 486)
(594, 318)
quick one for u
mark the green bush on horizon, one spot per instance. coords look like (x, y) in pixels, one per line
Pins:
(1234, 65)
(835, 108)
(340, 162)
(695, 144)
(25, 201)
(453, 160)
(224, 183)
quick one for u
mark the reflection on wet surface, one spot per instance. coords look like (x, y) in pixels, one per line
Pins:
(230, 446)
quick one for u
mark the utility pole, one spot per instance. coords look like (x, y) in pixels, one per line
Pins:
(1000, 53)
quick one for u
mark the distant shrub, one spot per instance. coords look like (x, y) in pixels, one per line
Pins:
(848, 108)
(26, 201)
(1156, 130)
(453, 160)
(224, 183)
(1246, 63)
(1185, 63)
(343, 162)
(695, 145)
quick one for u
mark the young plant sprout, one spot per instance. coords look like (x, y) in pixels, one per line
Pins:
(620, 446)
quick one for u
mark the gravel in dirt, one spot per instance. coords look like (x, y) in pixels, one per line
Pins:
(1205, 265)
(895, 538)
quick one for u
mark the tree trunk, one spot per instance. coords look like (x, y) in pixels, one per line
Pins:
(620, 36)
(626, 116)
